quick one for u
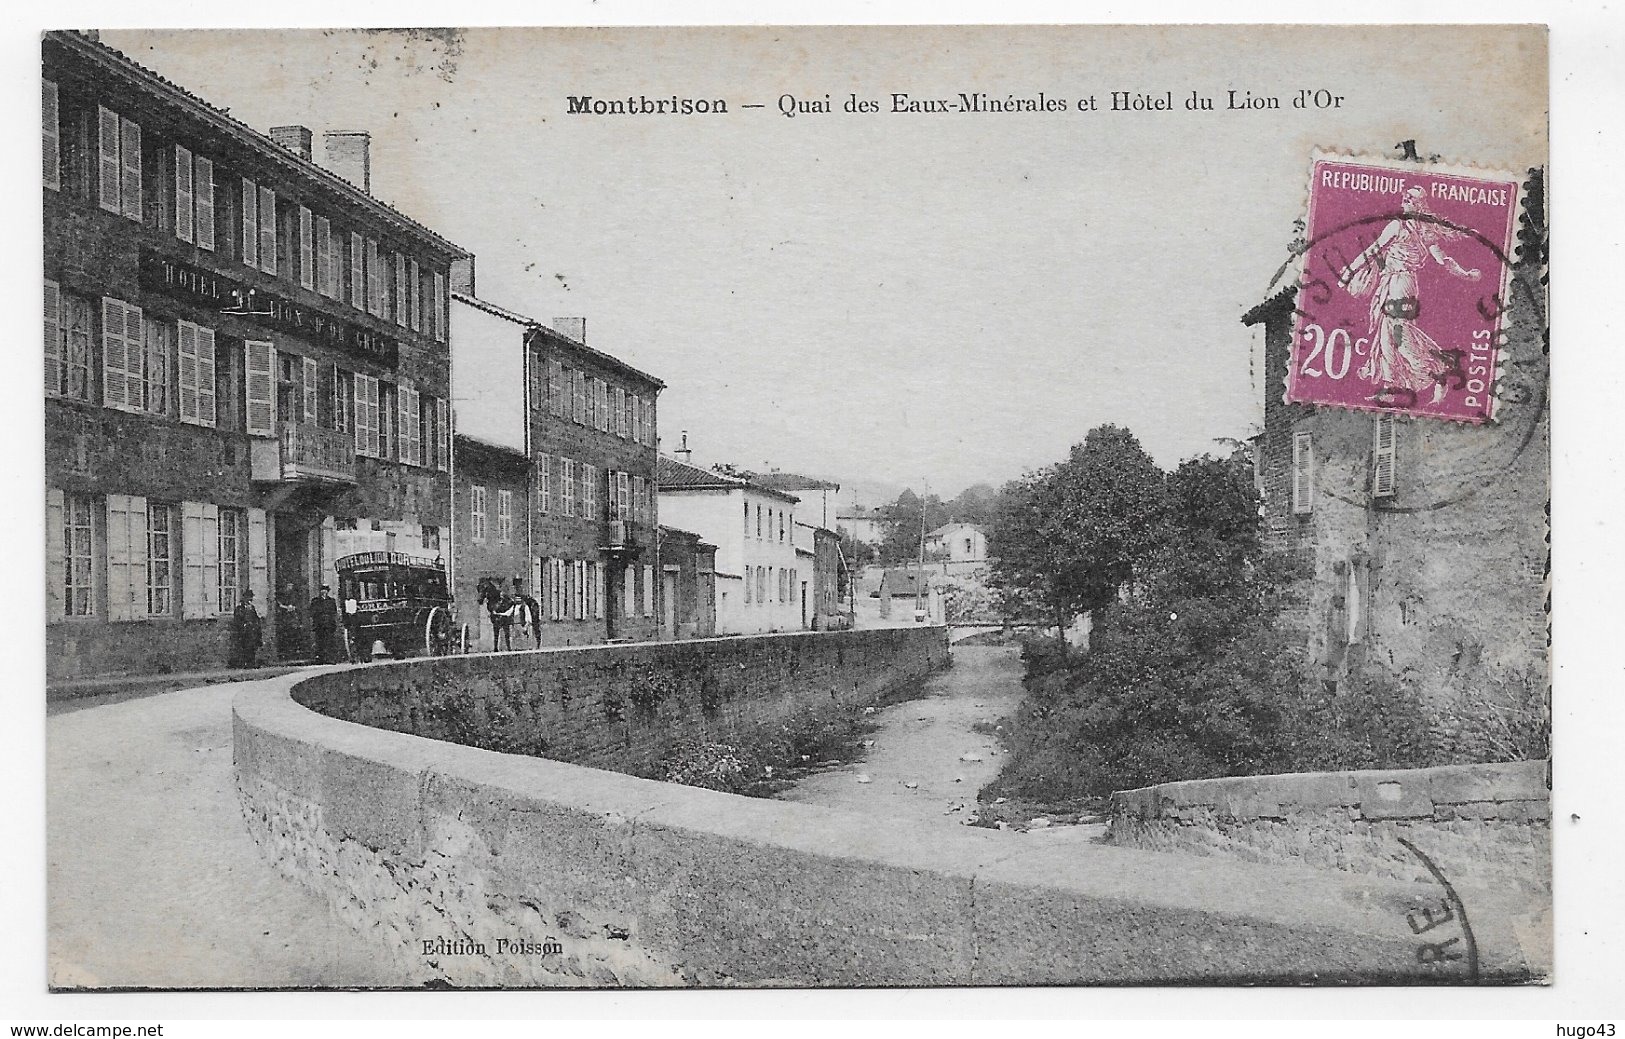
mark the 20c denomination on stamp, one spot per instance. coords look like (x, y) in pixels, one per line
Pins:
(1405, 288)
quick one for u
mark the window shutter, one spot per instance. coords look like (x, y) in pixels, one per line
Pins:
(183, 194)
(372, 276)
(126, 557)
(260, 388)
(358, 273)
(414, 296)
(267, 217)
(205, 377)
(210, 604)
(188, 371)
(53, 337)
(259, 570)
(122, 355)
(598, 591)
(637, 419)
(130, 152)
(50, 137)
(439, 306)
(203, 194)
(324, 256)
(648, 591)
(1303, 473)
(192, 559)
(403, 442)
(401, 295)
(307, 250)
(107, 164)
(55, 554)
(1383, 460)
(251, 223)
(442, 428)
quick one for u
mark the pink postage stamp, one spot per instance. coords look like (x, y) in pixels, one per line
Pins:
(1405, 287)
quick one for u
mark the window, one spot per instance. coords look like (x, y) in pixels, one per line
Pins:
(160, 559)
(267, 218)
(648, 591)
(251, 223)
(123, 355)
(750, 580)
(544, 476)
(603, 406)
(623, 494)
(622, 427)
(232, 541)
(50, 137)
(592, 401)
(584, 495)
(67, 343)
(635, 506)
(431, 539)
(781, 526)
(761, 584)
(758, 522)
(747, 519)
(343, 395)
(567, 486)
(307, 249)
(1383, 457)
(504, 516)
(326, 278)
(555, 387)
(649, 437)
(119, 164)
(197, 373)
(156, 338)
(1303, 473)
(78, 581)
(442, 432)
(374, 282)
(578, 389)
(476, 515)
(637, 419)
(399, 308)
(389, 432)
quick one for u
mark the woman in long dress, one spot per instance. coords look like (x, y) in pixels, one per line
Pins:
(1402, 355)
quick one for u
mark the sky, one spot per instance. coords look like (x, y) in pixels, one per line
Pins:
(929, 300)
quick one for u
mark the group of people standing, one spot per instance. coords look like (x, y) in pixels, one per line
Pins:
(323, 642)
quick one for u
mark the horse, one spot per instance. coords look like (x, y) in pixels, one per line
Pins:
(502, 611)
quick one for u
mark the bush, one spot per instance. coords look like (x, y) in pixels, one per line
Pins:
(715, 766)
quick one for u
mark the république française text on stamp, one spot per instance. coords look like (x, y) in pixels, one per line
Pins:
(1405, 288)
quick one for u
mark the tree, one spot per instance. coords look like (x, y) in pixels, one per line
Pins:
(903, 523)
(1070, 536)
(975, 504)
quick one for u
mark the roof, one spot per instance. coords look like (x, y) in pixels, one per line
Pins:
(532, 325)
(905, 582)
(678, 532)
(955, 525)
(860, 512)
(118, 62)
(672, 475)
(795, 482)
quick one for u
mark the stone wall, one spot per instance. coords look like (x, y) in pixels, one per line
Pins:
(445, 856)
(621, 707)
(1483, 823)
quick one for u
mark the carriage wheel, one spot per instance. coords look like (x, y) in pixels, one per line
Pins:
(438, 633)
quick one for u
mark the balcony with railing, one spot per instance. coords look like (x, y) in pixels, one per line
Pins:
(305, 454)
(619, 539)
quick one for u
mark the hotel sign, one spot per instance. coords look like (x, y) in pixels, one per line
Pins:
(232, 298)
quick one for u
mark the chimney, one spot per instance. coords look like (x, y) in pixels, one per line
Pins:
(294, 138)
(462, 276)
(572, 327)
(349, 154)
(683, 452)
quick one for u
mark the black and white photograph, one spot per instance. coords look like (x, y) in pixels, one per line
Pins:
(797, 507)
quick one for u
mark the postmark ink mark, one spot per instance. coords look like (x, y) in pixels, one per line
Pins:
(1440, 948)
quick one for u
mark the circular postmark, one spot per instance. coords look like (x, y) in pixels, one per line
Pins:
(1503, 371)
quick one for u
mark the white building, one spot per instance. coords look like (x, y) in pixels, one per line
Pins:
(958, 543)
(759, 573)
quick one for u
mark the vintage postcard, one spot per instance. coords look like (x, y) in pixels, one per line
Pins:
(796, 507)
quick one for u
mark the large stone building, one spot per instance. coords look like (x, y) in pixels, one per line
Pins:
(559, 492)
(246, 369)
(1421, 544)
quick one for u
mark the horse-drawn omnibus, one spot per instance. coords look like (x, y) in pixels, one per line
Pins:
(402, 600)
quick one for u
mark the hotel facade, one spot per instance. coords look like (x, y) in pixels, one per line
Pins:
(246, 370)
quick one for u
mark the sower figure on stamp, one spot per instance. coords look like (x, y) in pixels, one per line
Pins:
(1402, 355)
(245, 632)
(324, 624)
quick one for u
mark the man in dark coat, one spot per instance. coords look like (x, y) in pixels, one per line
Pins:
(245, 632)
(324, 624)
